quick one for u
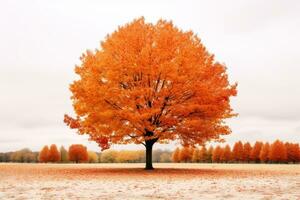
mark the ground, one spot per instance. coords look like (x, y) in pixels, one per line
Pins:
(167, 181)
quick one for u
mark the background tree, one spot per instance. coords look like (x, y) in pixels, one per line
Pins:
(278, 152)
(78, 153)
(143, 156)
(63, 155)
(109, 156)
(43, 156)
(23, 155)
(254, 156)
(151, 83)
(237, 152)
(293, 152)
(264, 153)
(132, 156)
(221, 157)
(226, 154)
(156, 155)
(3, 157)
(216, 155)
(196, 155)
(203, 154)
(247, 152)
(54, 154)
(99, 156)
(165, 157)
(299, 155)
(93, 157)
(209, 154)
(296, 153)
(175, 155)
(185, 154)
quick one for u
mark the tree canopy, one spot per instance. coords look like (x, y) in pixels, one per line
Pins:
(78, 153)
(151, 83)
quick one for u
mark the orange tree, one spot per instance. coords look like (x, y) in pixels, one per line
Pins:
(226, 154)
(237, 152)
(264, 153)
(43, 155)
(293, 152)
(54, 154)
(277, 153)
(175, 155)
(151, 83)
(255, 152)
(247, 152)
(185, 154)
(216, 155)
(78, 153)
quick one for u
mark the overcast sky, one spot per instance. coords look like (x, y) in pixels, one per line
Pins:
(41, 41)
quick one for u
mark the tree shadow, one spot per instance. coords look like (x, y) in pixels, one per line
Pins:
(157, 172)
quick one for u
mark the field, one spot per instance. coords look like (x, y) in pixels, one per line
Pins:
(167, 181)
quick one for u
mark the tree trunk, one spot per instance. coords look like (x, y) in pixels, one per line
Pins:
(149, 145)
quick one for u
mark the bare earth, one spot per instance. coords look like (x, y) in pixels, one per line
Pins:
(167, 181)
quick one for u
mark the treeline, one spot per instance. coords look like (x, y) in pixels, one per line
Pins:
(134, 156)
(23, 155)
(79, 154)
(76, 153)
(276, 152)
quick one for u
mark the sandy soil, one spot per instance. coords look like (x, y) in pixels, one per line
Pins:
(167, 181)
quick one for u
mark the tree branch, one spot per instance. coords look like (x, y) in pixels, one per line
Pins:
(114, 105)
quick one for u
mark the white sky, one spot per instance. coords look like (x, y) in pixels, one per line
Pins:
(41, 41)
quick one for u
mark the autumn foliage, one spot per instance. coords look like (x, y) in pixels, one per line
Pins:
(175, 155)
(217, 154)
(238, 151)
(293, 152)
(264, 153)
(226, 155)
(43, 155)
(247, 152)
(277, 152)
(204, 154)
(78, 153)
(49, 155)
(151, 83)
(196, 155)
(54, 154)
(93, 157)
(255, 152)
(186, 154)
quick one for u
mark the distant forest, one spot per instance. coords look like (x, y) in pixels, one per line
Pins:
(276, 152)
